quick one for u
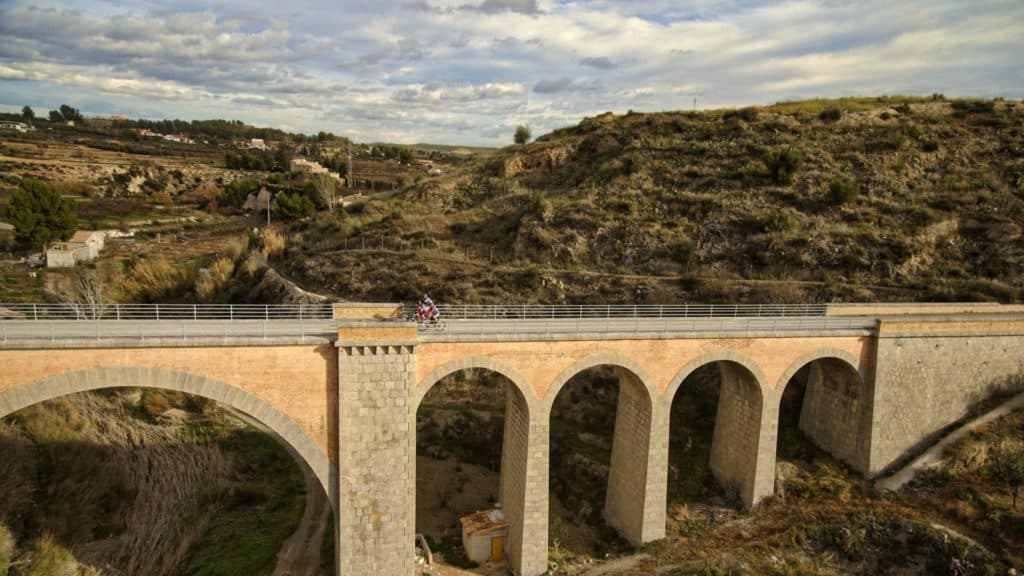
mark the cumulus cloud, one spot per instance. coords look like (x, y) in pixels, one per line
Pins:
(463, 71)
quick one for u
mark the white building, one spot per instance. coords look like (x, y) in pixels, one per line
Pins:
(84, 245)
(484, 535)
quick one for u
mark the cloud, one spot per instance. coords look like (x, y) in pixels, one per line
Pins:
(520, 6)
(601, 63)
(463, 71)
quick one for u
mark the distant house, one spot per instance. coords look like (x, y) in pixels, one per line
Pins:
(67, 254)
(257, 144)
(301, 165)
(84, 245)
(484, 535)
(16, 126)
(94, 239)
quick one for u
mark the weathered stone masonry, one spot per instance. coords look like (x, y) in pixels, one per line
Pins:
(377, 479)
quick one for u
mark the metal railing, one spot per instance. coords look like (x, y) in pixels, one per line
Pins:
(474, 328)
(79, 311)
(563, 311)
(181, 329)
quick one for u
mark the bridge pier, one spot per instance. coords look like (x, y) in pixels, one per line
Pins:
(524, 486)
(737, 446)
(376, 452)
(835, 412)
(633, 504)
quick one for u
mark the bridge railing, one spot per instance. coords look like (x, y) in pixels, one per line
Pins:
(103, 311)
(481, 327)
(569, 312)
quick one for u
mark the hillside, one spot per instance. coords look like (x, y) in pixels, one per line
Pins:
(854, 200)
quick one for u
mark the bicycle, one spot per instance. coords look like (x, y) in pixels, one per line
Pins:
(424, 324)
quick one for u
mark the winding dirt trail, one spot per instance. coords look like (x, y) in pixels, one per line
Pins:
(300, 553)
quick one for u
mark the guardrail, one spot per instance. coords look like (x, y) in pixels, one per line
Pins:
(85, 311)
(183, 329)
(562, 311)
(473, 328)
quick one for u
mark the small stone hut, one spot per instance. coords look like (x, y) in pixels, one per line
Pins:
(484, 535)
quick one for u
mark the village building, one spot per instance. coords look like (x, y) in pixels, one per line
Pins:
(83, 246)
(484, 535)
(301, 165)
(16, 126)
(257, 144)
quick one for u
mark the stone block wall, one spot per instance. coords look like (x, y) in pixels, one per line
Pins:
(734, 446)
(626, 498)
(834, 407)
(377, 459)
(928, 374)
(524, 487)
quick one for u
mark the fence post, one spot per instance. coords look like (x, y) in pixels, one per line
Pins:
(117, 308)
(157, 312)
(35, 313)
(195, 314)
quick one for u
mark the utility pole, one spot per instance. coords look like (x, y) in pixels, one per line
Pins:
(349, 167)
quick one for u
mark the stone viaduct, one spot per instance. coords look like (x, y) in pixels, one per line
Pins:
(346, 403)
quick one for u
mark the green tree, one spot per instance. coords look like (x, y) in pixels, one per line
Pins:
(522, 135)
(40, 214)
(294, 206)
(55, 116)
(70, 113)
(27, 113)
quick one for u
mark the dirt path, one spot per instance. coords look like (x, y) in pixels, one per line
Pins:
(300, 553)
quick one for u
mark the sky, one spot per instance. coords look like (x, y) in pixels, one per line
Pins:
(468, 72)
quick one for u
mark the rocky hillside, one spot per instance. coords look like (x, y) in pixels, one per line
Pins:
(857, 199)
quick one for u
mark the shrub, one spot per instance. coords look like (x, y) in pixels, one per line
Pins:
(779, 221)
(842, 190)
(830, 114)
(685, 252)
(748, 114)
(784, 163)
(294, 206)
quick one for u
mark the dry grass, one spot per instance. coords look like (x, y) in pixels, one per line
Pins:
(154, 280)
(127, 494)
(273, 244)
(7, 549)
(210, 286)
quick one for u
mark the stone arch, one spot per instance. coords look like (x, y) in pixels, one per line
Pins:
(819, 354)
(518, 380)
(739, 431)
(641, 374)
(629, 500)
(517, 490)
(836, 409)
(709, 358)
(279, 423)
